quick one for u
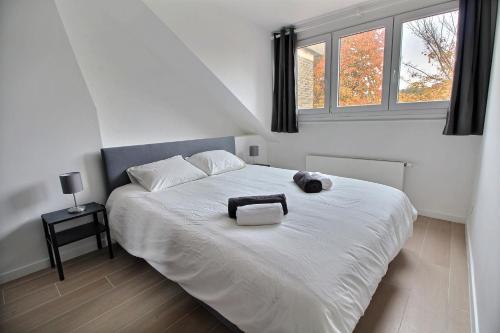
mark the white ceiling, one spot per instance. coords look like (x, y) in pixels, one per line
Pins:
(272, 14)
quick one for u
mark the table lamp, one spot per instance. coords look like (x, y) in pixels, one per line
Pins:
(71, 183)
(253, 151)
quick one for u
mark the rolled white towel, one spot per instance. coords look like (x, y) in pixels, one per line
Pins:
(326, 182)
(259, 214)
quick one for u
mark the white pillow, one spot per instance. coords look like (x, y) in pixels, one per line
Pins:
(214, 162)
(162, 174)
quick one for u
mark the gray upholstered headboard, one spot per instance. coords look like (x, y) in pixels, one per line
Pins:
(117, 160)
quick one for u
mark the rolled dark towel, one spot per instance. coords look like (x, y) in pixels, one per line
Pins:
(234, 203)
(307, 182)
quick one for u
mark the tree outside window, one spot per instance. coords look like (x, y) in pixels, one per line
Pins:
(428, 58)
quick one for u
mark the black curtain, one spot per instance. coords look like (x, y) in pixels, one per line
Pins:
(284, 118)
(476, 35)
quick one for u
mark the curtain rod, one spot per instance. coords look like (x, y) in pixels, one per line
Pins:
(277, 33)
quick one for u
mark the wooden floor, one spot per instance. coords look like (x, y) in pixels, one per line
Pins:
(424, 291)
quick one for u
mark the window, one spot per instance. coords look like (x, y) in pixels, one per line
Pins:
(417, 48)
(426, 59)
(361, 67)
(313, 67)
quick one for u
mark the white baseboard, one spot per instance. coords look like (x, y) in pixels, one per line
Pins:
(474, 322)
(66, 254)
(442, 216)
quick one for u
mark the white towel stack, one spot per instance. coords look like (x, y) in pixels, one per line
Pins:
(326, 182)
(259, 214)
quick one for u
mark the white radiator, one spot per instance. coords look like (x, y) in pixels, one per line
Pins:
(384, 172)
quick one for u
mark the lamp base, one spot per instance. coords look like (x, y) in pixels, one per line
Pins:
(75, 209)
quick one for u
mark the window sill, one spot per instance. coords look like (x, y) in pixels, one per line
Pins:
(373, 115)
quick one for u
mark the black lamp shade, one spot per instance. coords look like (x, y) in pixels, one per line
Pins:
(254, 151)
(71, 182)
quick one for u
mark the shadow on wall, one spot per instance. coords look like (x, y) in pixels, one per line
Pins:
(28, 196)
(30, 232)
(92, 164)
(23, 201)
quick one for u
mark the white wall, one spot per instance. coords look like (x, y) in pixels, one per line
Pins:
(147, 85)
(483, 227)
(236, 50)
(48, 125)
(440, 181)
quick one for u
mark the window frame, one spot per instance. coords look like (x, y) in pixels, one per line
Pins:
(385, 23)
(327, 39)
(399, 20)
(391, 110)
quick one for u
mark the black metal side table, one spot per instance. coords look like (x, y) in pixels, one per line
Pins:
(57, 239)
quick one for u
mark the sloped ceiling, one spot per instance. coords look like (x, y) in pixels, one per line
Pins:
(235, 50)
(146, 84)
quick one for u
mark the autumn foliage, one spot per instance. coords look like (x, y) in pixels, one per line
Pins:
(361, 68)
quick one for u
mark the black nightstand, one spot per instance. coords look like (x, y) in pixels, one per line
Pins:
(56, 239)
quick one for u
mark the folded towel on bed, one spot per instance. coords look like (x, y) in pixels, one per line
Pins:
(307, 182)
(260, 214)
(325, 180)
(234, 203)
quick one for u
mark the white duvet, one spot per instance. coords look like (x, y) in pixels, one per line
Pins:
(315, 272)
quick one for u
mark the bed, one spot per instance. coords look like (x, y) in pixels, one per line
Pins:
(315, 272)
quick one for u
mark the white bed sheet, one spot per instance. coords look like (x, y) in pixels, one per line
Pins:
(315, 272)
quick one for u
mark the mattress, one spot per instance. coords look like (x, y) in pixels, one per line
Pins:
(314, 272)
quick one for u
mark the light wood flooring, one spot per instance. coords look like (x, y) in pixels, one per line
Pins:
(424, 291)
